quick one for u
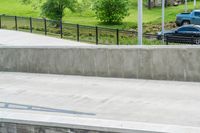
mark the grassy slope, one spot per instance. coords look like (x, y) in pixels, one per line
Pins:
(12, 7)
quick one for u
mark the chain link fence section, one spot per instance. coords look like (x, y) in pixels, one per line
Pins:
(107, 36)
(53, 28)
(69, 31)
(127, 37)
(8, 22)
(87, 34)
(22, 128)
(38, 26)
(90, 34)
(23, 24)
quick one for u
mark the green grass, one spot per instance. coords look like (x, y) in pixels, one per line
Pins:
(150, 16)
(14, 7)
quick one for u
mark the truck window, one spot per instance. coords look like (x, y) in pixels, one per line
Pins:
(197, 14)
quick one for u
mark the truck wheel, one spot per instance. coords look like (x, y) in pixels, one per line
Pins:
(178, 25)
(197, 41)
(185, 22)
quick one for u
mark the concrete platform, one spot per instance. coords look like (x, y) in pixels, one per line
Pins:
(18, 38)
(108, 104)
(25, 52)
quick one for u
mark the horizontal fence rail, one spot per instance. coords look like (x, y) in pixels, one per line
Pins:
(81, 33)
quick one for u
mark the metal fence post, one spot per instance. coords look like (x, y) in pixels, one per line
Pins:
(0, 21)
(45, 26)
(97, 36)
(31, 25)
(117, 36)
(61, 29)
(16, 23)
(78, 32)
(166, 40)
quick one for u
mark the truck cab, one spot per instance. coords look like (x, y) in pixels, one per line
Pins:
(188, 18)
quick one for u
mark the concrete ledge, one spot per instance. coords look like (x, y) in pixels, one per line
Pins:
(93, 124)
(181, 63)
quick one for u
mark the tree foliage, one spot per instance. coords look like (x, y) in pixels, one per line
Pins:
(83, 5)
(111, 11)
(54, 9)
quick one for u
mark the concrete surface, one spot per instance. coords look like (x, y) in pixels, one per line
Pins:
(18, 38)
(101, 103)
(24, 128)
(25, 52)
(162, 63)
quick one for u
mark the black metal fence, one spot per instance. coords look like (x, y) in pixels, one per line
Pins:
(82, 33)
(91, 34)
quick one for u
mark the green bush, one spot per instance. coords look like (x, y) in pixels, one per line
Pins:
(111, 11)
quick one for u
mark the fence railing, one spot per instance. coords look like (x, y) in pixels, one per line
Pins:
(82, 33)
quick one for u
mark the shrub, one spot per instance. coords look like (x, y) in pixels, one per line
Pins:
(111, 11)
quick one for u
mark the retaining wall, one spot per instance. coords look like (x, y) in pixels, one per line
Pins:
(180, 63)
(25, 128)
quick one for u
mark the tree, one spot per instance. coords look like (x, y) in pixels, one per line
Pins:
(54, 9)
(83, 5)
(111, 11)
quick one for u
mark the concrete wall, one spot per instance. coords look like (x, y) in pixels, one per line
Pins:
(163, 62)
(22, 128)
(29, 128)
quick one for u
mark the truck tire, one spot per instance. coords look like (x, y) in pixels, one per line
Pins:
(197, 41)
(185, 22)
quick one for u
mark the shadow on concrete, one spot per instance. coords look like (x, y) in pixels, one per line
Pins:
(7, 105)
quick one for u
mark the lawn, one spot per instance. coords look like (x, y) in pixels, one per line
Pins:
(152, 18)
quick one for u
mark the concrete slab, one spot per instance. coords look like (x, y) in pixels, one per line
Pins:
(26, 52)
(163, 106)
(18, 38)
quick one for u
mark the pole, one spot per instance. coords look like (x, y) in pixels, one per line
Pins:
(31, 25)
(140, 25)
(61, 29)
(45, 26)
(163, 21)
(0, 22)
(149, 4)
(117, 35)
(16, 23)
(186, 6)
(195, 4)
(97, 36)
(78, 32)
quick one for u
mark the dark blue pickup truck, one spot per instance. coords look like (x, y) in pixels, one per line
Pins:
(188, 18)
